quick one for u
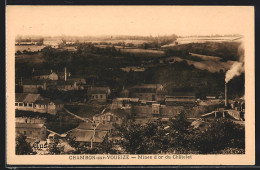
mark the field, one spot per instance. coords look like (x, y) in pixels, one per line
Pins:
(135, 42)
(72, 48)
(31, 48)
(29, 58)
(210, 65)
(206, 57)
(187, 40)
(143, 52)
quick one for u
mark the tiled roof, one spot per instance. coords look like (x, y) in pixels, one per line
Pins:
(87, 136)
(100, 127)
(85, 126)
(33, 82)
(44, 101)
(105, 127)
(68, 82)
(29, 125)
(78, 80)
(148, 86)
(98, 90)
(183, 93)
(27, 97)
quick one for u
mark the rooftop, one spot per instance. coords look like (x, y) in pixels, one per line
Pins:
(182, 93)
(27, 97)
(87, 136)
(98, 90)
(99, 127)
(29, 125)
(33, 82)
(150, 86)
(43, 102)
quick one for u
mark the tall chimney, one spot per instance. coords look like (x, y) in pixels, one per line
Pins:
(226, 95)
(65, 76)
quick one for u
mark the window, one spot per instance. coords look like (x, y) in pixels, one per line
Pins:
(25, 104)
(92, 97)
(30, 105)
(96, 96)
(24, 132)
(16, 104)
(30, 132)
(101, 96)
(20, 104)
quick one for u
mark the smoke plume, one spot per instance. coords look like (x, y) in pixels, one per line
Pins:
(238, 67)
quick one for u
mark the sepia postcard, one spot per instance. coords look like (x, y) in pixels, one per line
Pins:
(130, 85)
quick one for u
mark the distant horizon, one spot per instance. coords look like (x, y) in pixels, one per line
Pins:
(122, 35)
(127, 20)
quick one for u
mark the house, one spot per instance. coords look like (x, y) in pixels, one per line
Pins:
(109, 118)
(68, 85)
(89, 136)
(155, 109)
(80, 81)
(33, 130)
(146, 91)
(48, 106)
(46, 76)
(99, 94)
(30, 120)
(25, 101)
(133, 68)
(181, 99)
(91, 133)
(36, 103)
(210, 97)
(53, 43)
(119, 103)
(33, 86)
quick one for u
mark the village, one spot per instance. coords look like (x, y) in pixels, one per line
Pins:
(54, 107)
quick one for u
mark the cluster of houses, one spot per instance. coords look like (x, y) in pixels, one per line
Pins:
(143, 102)
(90, 132)
(50, 80)
(36, 103)
(33, 128)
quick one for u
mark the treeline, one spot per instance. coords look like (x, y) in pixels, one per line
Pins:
(222, 136)
(179, 136)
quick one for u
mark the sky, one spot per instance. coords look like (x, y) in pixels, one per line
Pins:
(127, 20)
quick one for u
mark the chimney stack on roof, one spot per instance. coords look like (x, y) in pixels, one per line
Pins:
(226, 95)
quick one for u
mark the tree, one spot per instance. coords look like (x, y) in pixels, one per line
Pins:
(222, 135)
(144, 139)
(180, 134)
(22, 146)
(180, 123)
(132, 138)
(55, 148)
